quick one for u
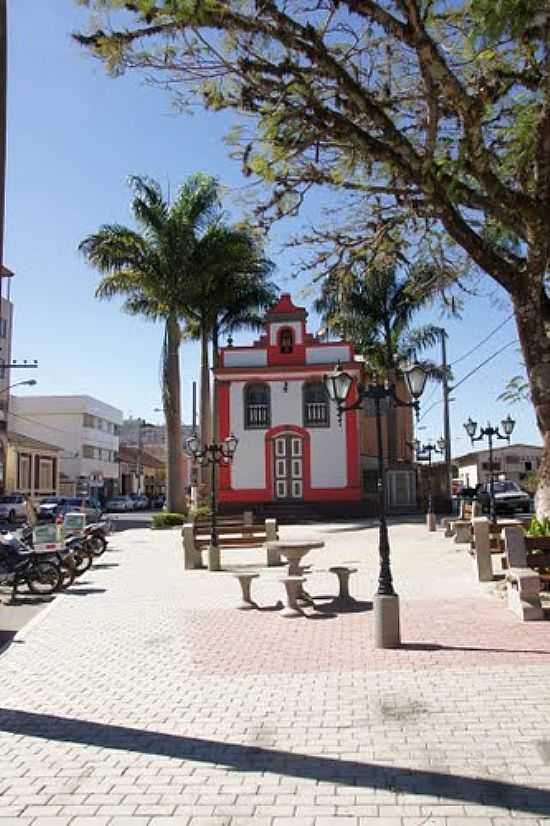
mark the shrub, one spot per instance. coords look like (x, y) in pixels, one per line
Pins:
(168, 520)
(539, 527)
(201, 511)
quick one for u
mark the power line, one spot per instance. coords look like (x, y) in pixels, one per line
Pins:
(483, 363)
(482, 342)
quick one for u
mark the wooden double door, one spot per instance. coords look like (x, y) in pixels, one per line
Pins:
(288, 466)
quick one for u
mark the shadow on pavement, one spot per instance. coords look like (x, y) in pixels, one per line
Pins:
(433, 646)
(255, 759)
(75, 591)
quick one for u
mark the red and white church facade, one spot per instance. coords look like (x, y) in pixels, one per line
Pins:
(271, 396)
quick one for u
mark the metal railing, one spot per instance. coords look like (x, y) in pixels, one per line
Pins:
(316, 413)
(257, 415)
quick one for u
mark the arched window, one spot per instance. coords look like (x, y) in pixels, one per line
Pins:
(316, 405)
(257, 406)
(286, 340)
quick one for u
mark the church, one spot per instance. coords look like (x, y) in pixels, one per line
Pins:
(292, 448)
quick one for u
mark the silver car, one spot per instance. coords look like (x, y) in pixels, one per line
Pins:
(13, 507)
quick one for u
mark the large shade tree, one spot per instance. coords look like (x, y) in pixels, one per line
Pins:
(430, 115)
(155, 268)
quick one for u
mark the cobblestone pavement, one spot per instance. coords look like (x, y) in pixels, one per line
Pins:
(144, 697)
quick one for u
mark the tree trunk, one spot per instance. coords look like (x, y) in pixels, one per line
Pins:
(531, 313)
(175, 487)
(215, 364)
(205, 418)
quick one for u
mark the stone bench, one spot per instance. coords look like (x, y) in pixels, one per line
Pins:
(523, 593)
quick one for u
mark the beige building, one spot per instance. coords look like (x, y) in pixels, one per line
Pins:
(514, 462)
(31, 467)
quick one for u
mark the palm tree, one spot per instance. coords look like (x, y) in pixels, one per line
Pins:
(156, 270)
(373, 308)
(235, 288)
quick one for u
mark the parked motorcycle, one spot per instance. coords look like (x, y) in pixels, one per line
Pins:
(74, 559)
(95, 536)
(20, 564)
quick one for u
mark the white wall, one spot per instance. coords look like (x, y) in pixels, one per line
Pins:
(58, 420)
(328, 444)
(327, 355)
(468, 475)
(245, 358)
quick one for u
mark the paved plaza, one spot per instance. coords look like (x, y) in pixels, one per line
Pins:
(142, 696)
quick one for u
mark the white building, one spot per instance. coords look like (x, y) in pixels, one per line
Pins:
(85, 428)
(514, 462)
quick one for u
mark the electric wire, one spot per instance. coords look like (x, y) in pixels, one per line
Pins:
(482, 342)
(482, 364)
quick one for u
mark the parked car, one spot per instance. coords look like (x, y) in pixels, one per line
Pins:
(141, 503)
(157, 502)
(13, 507)
(120, 504)
(55, 507)
(509, 497)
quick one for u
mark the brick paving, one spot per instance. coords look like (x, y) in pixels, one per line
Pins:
(144, 697)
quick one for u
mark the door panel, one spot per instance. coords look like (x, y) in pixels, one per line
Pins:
(288, 466)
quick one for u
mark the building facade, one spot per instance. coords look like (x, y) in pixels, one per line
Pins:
(86, 430)
(514, 462)
(271, 396)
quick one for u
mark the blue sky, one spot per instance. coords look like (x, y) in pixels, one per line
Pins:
(74, 135)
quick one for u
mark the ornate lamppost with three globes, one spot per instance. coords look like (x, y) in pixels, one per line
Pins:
(490, 433)
(339, 385)
(214, 454)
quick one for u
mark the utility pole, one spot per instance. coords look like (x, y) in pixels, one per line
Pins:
(3, 124)
(446, 417)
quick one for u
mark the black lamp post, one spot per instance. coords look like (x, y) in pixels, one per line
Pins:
(490, 432)
(339, 385)
(216, 453)
(423, 454)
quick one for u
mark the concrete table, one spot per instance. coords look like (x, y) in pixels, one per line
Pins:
(294, 551)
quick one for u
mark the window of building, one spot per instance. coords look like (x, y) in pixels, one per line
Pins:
(512, 460)
(528, 466)
(3, 327)
(45, 475)
(257, 406)
(487, 465)
(89, 421)
(286, 340)
(88, 452)
(24, 474)
(316, 405)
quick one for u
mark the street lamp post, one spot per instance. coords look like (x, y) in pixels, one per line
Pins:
(339, 385)
(424, 453)
(490, 433)
(214, 454)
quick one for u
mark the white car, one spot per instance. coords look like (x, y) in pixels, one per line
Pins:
(13, 507)
(120, 504)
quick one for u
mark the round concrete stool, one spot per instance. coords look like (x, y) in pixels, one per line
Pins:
(343, 573)
(292, 585)
(245, 581)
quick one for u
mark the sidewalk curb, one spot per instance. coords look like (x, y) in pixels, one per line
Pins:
(22, 633)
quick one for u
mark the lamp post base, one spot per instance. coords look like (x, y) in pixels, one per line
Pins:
(387, 633)
(430, 521)
(214, 558)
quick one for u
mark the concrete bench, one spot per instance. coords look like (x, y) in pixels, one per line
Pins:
(522, 582)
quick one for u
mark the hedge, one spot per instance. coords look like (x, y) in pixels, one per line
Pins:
(168, 520)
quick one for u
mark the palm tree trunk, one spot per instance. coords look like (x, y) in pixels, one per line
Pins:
(215, 364)
(171, 394)
(205, 409)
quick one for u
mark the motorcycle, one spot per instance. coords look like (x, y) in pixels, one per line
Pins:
(74, 559)
(20, 564)
(95, 537)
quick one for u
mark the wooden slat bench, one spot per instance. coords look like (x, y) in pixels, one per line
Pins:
(233, 532)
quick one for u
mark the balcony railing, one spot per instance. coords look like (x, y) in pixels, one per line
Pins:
(316, 414)
(257, 415)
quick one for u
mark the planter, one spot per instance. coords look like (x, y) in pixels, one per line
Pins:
(537, 543)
